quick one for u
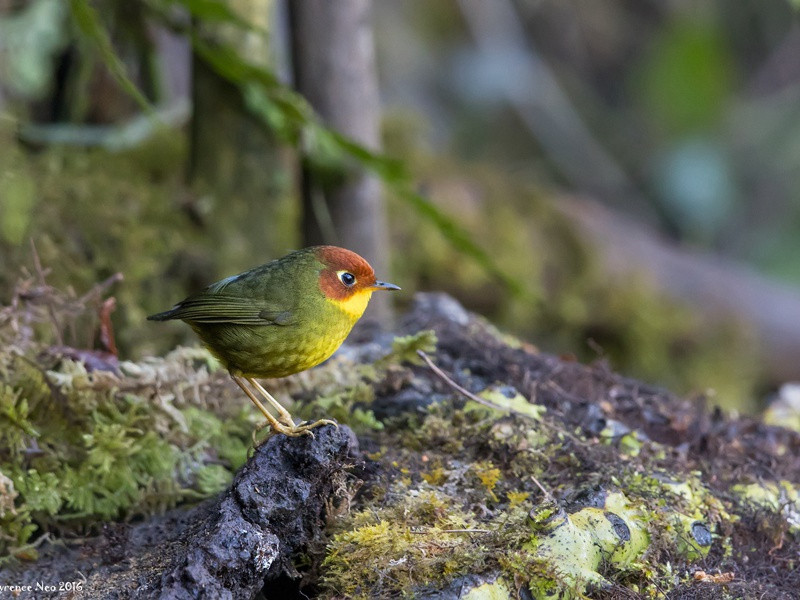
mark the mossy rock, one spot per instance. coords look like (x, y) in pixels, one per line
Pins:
(483, 496)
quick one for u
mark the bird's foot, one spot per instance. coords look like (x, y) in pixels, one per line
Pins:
(287, 427)
(306, 426)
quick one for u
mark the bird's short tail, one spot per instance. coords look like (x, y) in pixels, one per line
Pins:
(167, 315)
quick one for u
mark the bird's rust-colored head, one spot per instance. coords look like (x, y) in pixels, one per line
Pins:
(348, 280)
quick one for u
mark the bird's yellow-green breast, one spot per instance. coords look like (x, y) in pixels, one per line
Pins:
(282, 317)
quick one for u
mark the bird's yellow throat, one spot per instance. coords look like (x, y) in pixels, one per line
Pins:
(355, 305)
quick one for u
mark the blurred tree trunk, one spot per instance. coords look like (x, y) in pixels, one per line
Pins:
(234, 157)
(333, 55)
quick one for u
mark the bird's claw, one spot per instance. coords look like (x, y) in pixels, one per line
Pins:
(290, 430)
(312, 424)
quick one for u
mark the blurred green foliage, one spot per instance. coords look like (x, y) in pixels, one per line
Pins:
(93, 213)
(696, 103)
(88, 22)
(685, 77)
(576, 308)
(16, 211)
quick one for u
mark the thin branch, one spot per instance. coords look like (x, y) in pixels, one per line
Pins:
(99, 289)
(472, 396)
(444, 377)
(546, 492)
(48, 299)
(452, 531)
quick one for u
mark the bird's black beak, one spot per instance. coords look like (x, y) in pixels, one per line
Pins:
(382, 285)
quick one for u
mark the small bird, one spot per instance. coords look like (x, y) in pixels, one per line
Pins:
(281, 318)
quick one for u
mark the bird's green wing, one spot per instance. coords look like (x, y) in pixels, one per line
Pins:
(265, 295)
(224, 308)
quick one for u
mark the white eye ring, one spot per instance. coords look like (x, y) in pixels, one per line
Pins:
(347, 278)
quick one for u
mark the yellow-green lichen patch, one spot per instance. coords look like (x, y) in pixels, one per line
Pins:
(612, 536)
(498, 589)
(778, 496)
(573, 546)
(488, 475)
(506, 400)
(691, 514)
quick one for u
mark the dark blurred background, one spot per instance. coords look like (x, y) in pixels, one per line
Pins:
(607, 180)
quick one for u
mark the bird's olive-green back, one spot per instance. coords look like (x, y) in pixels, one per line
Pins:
(279, 291)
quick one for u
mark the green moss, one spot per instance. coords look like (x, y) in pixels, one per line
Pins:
(16, 526)
(464, 481)
(349, 406)
(423, 541)
(212, 479)
(405, 349)
(78, 447)
(229, 438)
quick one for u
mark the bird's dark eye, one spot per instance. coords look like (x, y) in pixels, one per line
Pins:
(347, 278)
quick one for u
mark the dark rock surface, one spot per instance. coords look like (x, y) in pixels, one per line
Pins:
(229, 547)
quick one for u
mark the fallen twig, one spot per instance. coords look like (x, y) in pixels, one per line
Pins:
(444, 377)
(429, 530)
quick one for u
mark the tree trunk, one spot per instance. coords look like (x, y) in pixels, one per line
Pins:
(334, 68)
(234, 159)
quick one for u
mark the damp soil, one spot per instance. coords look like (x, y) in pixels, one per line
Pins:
(265, 536)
